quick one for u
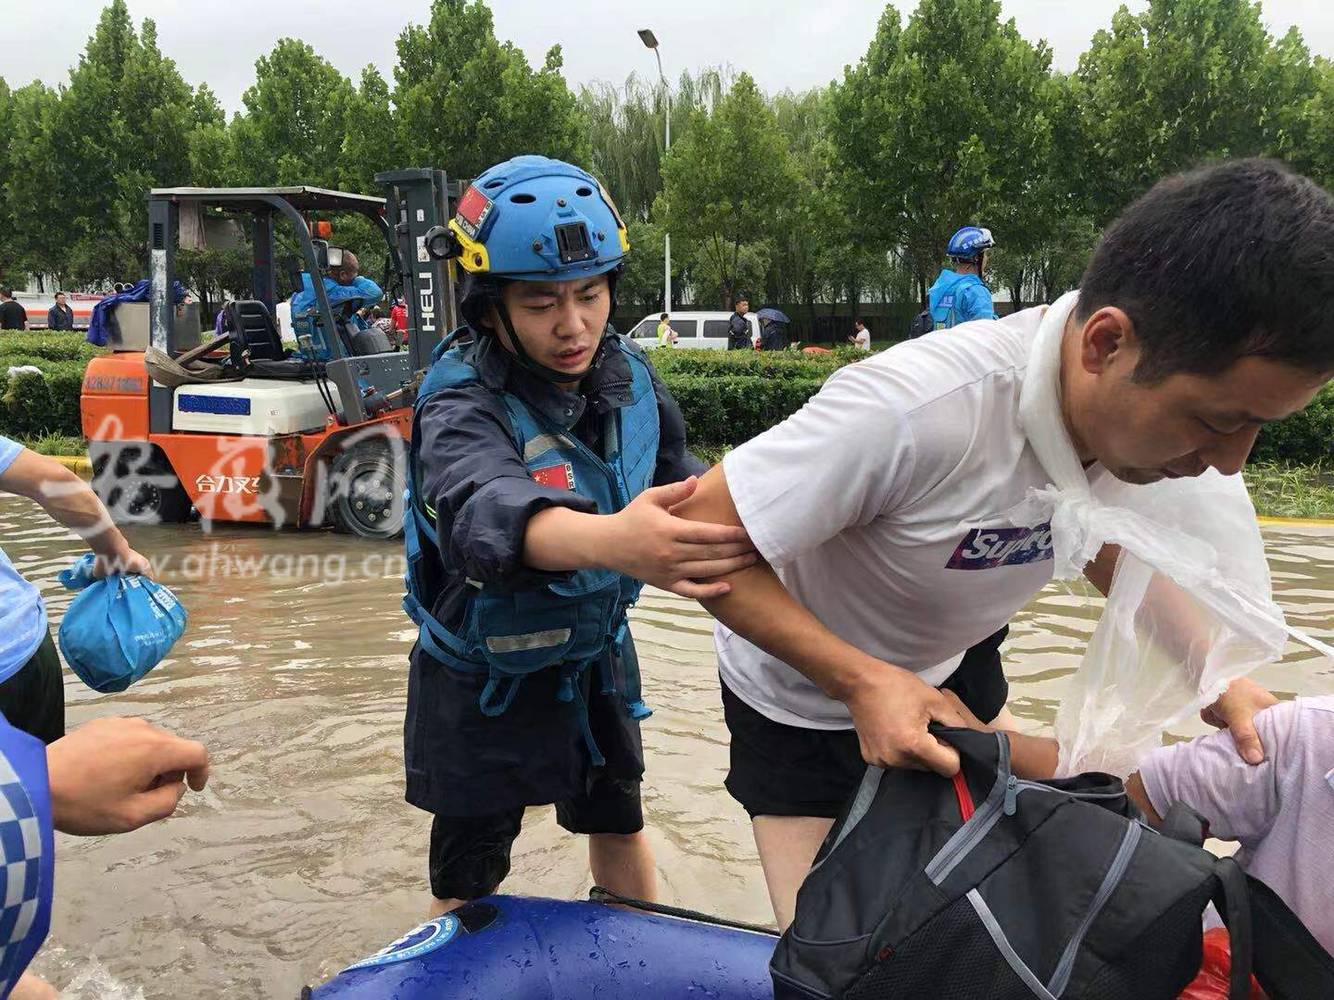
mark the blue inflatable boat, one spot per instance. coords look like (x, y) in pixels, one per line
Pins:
(519, 948)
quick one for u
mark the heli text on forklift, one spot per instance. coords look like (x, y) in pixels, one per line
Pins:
(241, 428)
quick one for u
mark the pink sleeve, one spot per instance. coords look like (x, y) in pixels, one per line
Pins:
(1239, 800)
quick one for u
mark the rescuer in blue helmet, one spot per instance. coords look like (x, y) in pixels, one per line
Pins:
(960, 294)
(545, 457)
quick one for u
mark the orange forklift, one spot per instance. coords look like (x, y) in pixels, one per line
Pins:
(241, 427)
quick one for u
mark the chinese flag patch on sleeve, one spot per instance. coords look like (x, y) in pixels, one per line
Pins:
(558, 477)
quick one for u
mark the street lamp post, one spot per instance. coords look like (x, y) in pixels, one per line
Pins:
(650, 40)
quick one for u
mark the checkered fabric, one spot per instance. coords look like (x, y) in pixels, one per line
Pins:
(20, 861)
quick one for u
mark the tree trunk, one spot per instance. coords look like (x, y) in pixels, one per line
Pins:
(1017, 292)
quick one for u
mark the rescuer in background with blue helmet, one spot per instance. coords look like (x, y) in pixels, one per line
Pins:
(960, 295)
(546, 456)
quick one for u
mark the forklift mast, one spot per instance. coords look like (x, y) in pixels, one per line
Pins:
(417, 199)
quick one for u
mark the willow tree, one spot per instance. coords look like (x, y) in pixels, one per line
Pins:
(727, 185)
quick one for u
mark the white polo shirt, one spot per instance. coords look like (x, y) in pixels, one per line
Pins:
(881, 504)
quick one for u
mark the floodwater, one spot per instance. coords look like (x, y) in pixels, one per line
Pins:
(301, 856)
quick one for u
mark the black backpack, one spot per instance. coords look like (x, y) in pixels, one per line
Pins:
(989, 886)
(922, 324)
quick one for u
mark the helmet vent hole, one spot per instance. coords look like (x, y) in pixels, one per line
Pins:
(493, 184)
(522, 198)
(583, 192)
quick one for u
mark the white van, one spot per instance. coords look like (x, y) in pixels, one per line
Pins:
(696, 329)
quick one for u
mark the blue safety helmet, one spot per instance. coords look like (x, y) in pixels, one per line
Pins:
(532, 218)
(969, 243)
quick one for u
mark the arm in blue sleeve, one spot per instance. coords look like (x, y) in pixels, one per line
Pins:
(371, 292)
(27, 847)
(980, 305)
(362, 289)
(480, 488)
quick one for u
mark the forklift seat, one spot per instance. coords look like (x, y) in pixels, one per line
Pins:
(254, 330)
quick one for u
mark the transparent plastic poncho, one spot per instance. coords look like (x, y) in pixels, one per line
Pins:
(1190, 607)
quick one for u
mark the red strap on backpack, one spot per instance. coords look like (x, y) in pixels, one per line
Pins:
(965, 797)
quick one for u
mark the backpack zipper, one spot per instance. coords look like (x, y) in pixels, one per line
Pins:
(974, 830)
(1013, 786)
(1060, 979)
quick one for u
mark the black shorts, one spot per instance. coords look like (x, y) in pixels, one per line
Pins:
(462, 763)
(33, 698)
(470, 856)
(781, 770)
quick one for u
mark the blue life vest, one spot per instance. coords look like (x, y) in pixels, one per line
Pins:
(947, 299)
(570, 624)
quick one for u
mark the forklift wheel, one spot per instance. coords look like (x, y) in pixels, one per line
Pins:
(151, 494)
(367, 492)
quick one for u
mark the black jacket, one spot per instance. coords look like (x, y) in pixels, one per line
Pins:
(58, 318)
(738, 333)
(12, 315)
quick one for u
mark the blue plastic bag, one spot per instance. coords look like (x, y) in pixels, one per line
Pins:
(118, 628)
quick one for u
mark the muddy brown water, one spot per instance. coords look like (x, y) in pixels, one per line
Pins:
(301, 856)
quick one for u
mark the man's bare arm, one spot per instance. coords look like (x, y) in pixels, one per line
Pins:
(890, 706)
(72, 502)
(1177, 622)
(1035, 758)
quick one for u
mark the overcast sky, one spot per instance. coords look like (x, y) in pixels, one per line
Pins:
(783, 43)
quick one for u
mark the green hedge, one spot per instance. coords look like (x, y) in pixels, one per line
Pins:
(760, 364)
(36, 405)
(33, 405)
(63, 346)
(1305, 438)
(728, 397)
(730, 409)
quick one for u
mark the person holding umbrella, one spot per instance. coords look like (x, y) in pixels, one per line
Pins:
(773, 329)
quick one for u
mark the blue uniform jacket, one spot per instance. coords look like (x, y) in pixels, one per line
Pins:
(305, 309)
(971, 299)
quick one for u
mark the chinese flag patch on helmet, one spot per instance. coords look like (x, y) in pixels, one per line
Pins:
(474, 209)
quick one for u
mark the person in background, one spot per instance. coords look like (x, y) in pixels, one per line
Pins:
(667, 337)
(960, 294)
(738, 329)
(343, 283)
(773, 333)
(399, 315)
(32, 693)
(861, 335)
(383, 323)
(12, 315)
(108, 776)
(60, 316)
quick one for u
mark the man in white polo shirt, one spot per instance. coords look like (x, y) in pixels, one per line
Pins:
(879, 508)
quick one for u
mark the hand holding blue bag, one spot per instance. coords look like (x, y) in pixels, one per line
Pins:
(118, 628)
